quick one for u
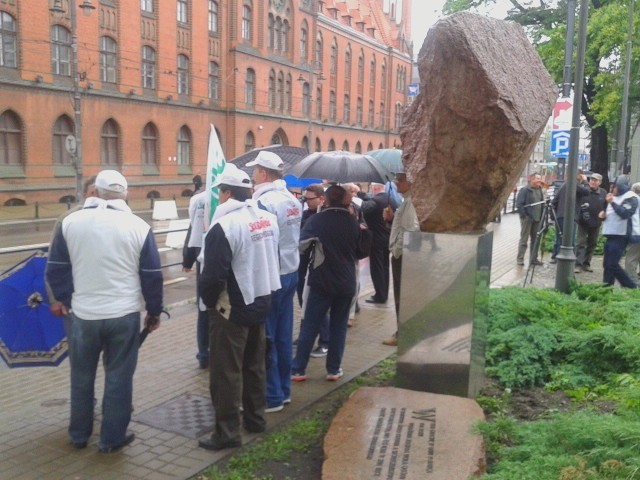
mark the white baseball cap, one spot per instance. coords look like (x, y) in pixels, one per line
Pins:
(111, 180)
(232, 176)
(267, 160)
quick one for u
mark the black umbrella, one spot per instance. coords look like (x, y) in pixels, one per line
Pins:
(340, 166)
(289, 155)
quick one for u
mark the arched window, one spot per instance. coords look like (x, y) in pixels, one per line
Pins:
(383, 75)
(333, 65)
(359, 111)
(371, 118)
(148, 67)
(250, 88)
(249, 141)
(347, 64)
(332, 106)
(373, 72)
(304, 40)
(109, 140)
(332, 145)
(284, 44)
(150, 145)
(182, 12)
(347, 109)
(61, 129)
(318, 145)
(287, 94)
(272, 90)
(381, 122)
(8, 41)
(361, 67)
(270, 30)
(277, 32)
(276, 139)
(108, 60)
(369, 147)
(319, 52)
(214, 81)
(358, 147)
(319, 103)
(306, 99)
(280, 92)
(60, 50)
(398, 116)
(10, 139)
(183, 75)
(345, 146)
(247, 23)
(305, 142)
(213, 16)
(183, 156)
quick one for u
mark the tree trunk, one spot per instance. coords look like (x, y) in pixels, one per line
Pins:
(600, 154)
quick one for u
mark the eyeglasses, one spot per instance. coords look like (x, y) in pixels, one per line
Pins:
(311, 198)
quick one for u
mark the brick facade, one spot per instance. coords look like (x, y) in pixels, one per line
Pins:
(36, 98)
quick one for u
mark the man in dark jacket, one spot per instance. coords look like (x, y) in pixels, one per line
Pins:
(591, 202)
(373, 212)
(337, 241)
(529, 203)
(558, 205)
(240, 271)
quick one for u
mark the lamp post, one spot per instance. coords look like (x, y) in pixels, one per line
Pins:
(86, 7)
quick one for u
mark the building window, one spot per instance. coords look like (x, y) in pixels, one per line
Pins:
(334, 58)
(373, 72)
(398, 116)
(250, 88)
(358, 147)
(280, 92)
(304, 41)
(148, 67)
(183, 11)
(183, 75)
(146, 6)
(347, 64)
(287, 94)
(213, 16)
(306, 99)
(318, 145)
(61, 129)
(332, 146)
(332, 106)
(10, 139)
(319, 54)
(319, 103)
(249, 141)
(247, 23)
(214, 81)
(277, 32)
(284, 44)
(347, 109)
(270, 30)
(60, 51)
(108, 59)
(361, 68)
(7, 41)
(272, 90)
(371, 115)
(359, 111)
(184, 146)
(276, 140)
(109, 143)
(345, 146)
(383, 76)
(150, 145)
(382, 114)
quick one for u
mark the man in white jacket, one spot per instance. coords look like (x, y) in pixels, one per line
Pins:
(272, 195)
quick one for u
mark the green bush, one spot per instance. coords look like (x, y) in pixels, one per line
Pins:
(550, 238)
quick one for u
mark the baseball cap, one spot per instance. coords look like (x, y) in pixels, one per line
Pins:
(267, 160)
(597, 176)
(232, 176)
(111, 180)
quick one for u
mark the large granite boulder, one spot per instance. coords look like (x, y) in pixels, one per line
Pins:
(485, 97)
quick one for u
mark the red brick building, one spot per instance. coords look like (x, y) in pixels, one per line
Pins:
(153, 74)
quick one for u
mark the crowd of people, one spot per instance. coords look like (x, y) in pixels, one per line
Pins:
(262, 245)
(615, 213)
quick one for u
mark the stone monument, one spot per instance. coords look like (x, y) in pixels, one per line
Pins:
(484, 100)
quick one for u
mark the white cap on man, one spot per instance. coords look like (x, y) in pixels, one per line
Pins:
(232, 176)
(111, 181)
(268, 160)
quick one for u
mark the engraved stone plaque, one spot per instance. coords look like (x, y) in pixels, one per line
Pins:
(395, 434)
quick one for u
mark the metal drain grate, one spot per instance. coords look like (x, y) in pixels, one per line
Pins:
(188, 415)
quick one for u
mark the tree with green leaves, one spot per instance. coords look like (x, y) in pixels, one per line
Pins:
(545, 21)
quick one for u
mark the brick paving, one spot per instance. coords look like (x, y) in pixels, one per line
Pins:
(34, 402)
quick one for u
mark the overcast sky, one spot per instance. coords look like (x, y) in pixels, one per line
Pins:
(425, 13)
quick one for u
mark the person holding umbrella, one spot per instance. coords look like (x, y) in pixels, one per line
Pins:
(102, 261)
(240, 272)
(272, 195)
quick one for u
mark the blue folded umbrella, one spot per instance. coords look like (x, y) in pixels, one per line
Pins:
(295, 182)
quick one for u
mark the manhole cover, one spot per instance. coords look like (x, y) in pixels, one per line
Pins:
(188, 415)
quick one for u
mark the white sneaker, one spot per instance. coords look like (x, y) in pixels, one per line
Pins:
(320, 352)
(277, 408)
(332, 377)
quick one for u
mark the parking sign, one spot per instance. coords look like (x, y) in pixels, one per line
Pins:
(560, 143)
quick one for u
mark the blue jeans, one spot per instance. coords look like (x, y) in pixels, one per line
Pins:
(118, 339)
(317, 307)
(614, 248)
(280, 330)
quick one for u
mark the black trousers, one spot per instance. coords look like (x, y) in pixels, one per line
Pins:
(379, 267)
(396, 271)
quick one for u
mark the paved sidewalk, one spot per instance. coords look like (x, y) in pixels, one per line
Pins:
(172, 407)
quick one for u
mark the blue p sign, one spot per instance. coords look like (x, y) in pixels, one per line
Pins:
(560, 143)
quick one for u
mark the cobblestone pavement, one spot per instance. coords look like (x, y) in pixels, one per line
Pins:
(171, 397)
